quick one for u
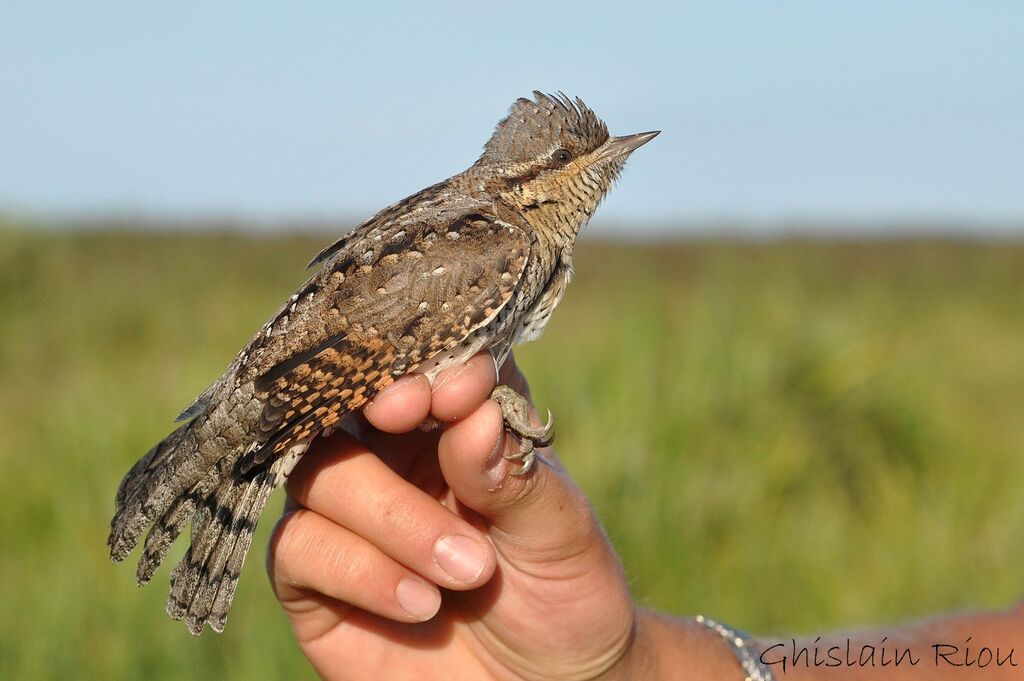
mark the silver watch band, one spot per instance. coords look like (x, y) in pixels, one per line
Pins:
(739, 643)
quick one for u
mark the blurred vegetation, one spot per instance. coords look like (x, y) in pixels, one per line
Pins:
(789, 436)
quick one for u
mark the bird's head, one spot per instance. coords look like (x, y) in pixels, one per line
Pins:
(553, 160)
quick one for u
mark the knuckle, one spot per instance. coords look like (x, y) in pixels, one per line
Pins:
(305, 553)
(280, 548)
(294, 540)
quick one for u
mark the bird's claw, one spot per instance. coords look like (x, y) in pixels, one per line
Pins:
(516, 413)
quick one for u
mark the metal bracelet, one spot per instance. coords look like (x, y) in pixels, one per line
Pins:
(740, 644)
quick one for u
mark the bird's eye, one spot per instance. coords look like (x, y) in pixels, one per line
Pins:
(561, 156)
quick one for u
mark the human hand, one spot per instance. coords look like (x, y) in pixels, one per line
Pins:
(531, 587)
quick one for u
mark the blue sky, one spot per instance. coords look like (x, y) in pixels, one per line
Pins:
(867, 111)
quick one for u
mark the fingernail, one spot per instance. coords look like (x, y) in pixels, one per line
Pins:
(389, 388)
(447, 377)
(418, 599)
(461, 557)
(497, 465)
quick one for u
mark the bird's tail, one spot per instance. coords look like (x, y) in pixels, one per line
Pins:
(183, 479)
(203, 583)
(159, 485)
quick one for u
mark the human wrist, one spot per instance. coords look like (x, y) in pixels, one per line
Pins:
(632, 661)
(665, 647)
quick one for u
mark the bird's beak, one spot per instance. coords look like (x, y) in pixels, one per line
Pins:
(620, 147)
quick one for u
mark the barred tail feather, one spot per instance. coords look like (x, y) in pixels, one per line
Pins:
(197, 475)
(203, 583)
(215, 513)
(170, 525)
(170, 468)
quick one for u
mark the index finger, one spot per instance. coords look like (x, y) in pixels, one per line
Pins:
(401, 406)
(456, 392)
(459, 391)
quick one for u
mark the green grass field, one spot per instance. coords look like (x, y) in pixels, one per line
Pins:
(788, 436)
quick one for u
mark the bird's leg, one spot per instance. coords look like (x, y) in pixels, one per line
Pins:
(515, 411)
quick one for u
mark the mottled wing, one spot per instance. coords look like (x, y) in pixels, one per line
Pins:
(390, 313)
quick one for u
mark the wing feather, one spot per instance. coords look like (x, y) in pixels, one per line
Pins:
(391, 316)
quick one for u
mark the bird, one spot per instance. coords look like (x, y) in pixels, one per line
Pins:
(475, 263)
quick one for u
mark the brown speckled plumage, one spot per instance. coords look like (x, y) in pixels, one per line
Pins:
(478, 261)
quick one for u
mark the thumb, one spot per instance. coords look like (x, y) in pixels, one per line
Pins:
(540, 517)
(560, 586)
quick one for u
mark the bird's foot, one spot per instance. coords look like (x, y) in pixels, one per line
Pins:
(515, 411)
